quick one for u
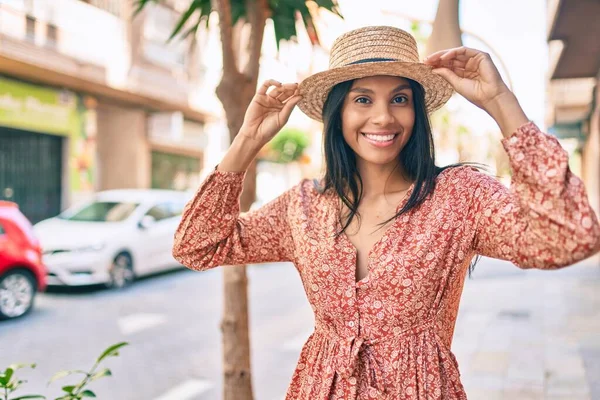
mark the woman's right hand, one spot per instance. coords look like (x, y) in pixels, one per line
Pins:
(269, 110)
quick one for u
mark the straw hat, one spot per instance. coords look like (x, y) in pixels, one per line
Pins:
(374, 50)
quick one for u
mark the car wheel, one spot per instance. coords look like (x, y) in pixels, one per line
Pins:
(17, 292)
(121, 272)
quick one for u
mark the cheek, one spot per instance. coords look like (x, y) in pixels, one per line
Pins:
(351, 124)
(406, 117)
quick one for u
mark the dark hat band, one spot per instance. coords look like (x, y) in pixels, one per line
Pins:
(370, 60)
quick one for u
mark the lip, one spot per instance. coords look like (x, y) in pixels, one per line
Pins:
(377, 143)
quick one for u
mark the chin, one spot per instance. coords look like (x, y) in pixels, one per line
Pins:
(379, 159)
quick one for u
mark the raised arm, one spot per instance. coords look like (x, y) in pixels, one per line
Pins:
(545, 220)
(212, 232)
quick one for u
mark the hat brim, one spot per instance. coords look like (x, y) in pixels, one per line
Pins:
(315, 88)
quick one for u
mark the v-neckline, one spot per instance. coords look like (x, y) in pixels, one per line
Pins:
(349, 243)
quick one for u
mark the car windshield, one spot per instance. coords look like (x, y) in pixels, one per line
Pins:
(102, 211)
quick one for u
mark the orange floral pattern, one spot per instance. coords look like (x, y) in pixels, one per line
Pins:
(389, 335)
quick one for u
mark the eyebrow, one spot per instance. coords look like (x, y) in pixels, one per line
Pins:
(365, 90)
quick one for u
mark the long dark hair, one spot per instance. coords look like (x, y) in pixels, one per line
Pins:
(417, 156)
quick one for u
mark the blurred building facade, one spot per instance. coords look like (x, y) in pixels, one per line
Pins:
(573, 109)
(93, 99)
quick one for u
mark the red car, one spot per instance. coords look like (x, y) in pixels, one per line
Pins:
(22, 273)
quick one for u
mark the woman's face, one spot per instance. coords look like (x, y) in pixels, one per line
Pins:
(378, 116)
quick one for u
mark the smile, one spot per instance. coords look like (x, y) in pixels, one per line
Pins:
(380, 140)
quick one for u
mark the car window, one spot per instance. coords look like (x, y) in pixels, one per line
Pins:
(166, 210)
(104, 211)
(2, 231)
(160, 211)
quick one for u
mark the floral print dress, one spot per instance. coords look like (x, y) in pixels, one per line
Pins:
(389, 335)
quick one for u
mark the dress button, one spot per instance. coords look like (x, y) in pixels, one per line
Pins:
(351, 324)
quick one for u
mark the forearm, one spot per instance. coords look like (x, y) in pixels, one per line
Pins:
(240, 154)
(507, 112)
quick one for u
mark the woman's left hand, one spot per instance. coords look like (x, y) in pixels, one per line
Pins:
(472, 74)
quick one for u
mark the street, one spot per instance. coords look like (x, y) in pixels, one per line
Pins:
(519, 335)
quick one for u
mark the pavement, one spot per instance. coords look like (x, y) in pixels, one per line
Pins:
(531, 334)
(519, 334)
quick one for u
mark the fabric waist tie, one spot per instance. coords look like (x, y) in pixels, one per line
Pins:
(347, 350)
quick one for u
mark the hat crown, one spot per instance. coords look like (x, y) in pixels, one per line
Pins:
(373, 43)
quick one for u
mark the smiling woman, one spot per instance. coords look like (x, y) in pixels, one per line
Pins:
(384, 241)
(357, 109)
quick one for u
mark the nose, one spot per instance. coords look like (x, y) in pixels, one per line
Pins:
(382, 115)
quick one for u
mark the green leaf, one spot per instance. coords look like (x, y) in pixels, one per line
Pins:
(282, 12)
(29, 396)
(112, 351)
(184, 18)
(88, 393)
(68, 389)
(141, 4)
(6, 376)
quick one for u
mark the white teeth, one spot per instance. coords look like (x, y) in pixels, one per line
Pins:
(380, 138)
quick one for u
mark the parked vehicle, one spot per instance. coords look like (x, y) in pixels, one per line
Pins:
(117, 236)
(22, 272)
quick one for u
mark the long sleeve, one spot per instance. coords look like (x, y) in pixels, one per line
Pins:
(212, 231)
(544, 220)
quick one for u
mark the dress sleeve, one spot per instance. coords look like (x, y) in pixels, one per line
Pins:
(212, 231)
(545, 220)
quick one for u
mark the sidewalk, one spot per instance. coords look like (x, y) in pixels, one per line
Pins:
(530, 334)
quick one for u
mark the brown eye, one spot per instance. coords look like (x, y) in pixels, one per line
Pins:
(362, 100)
(400, 99)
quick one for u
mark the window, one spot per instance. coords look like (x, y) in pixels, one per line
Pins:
(160, 211)
(2, 231)
(166, 210)
(51, 35)
(103, 211)
(30, 27)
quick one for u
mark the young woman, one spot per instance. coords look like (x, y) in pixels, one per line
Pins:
(383, 242)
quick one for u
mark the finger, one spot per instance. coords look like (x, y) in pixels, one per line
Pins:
(462, 52)
(286, 94)
(288, 88)
(434, 58)
(289, 105)
(448, 75)
(449, 63)
(266, 85)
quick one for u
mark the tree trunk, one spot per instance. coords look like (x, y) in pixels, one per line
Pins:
(235, 91)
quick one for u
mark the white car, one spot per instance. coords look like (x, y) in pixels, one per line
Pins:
(117, 236)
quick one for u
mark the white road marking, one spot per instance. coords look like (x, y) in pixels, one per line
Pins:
(138, 322)
(187, 390)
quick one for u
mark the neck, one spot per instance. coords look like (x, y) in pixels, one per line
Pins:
(382, 179)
